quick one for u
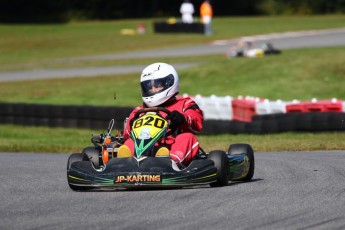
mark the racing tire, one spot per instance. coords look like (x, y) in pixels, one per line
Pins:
(75, 157)
(221, 162)
(92, 154)
(236, 149)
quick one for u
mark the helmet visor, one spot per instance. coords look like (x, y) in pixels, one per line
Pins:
(154, 86)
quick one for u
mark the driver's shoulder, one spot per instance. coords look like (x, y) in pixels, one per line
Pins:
(183, 104)
(186, 101)
(136, 109)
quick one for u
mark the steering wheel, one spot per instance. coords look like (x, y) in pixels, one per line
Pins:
(151, 109)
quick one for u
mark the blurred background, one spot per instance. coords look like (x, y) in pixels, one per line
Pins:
(57, 11)
(52, 46)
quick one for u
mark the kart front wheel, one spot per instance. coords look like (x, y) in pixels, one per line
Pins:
(239, 149)
(93, 155)
(74, 157)
(220, 161)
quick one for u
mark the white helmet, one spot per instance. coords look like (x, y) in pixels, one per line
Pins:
(159, 82)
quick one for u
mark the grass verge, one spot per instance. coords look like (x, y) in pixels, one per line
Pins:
(295, 74)
(63, 140)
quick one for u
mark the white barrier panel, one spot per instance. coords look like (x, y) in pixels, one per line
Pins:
(213, 107)
(270, 107)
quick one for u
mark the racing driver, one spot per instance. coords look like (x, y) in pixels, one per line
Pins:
(159, 87)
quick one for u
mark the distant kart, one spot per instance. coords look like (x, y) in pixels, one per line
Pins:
(267, 49)
(98, 167)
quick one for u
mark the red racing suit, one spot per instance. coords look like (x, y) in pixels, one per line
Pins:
(185, 146)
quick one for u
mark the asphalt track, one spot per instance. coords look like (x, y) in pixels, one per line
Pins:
(288, 40)
(290, 190)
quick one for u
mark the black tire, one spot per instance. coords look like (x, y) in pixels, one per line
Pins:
(237, 127)
(304, 122)
(336, 121)
(320, 121)
(92, 154)
(75, 157)
(216, 127)
(287, 122)
(236, 149)
(221, 162)
(255, 127)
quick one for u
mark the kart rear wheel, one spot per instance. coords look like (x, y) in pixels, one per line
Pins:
(220, 161)
(74, 157)
(237, 149)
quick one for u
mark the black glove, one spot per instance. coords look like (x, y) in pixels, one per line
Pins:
(176, 118)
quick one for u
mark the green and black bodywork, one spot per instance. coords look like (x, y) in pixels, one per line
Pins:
(92, 169)
(216, 168)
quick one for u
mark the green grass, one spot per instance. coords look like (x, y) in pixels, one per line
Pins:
(296, 74)
(300, 74)
(35, 46)
(61, 140)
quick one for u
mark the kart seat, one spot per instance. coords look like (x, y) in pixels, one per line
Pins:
(124, 152)
(163, 152)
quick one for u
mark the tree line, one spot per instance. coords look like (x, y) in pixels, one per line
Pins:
(58, 11)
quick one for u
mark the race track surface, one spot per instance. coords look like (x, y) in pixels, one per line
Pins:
(290, 190)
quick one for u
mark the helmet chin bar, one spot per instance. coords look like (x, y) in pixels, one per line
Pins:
(148, 100)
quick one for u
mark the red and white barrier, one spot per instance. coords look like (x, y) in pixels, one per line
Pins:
(244, 108)
(270, 107)
(215, 108)
(329, 105)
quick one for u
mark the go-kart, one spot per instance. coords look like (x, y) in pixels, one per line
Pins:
(99, 167)
(248, 51)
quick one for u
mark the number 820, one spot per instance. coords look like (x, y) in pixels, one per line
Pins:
(149, 121)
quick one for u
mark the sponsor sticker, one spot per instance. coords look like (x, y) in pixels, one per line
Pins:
(145, 134)
(138, 179)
